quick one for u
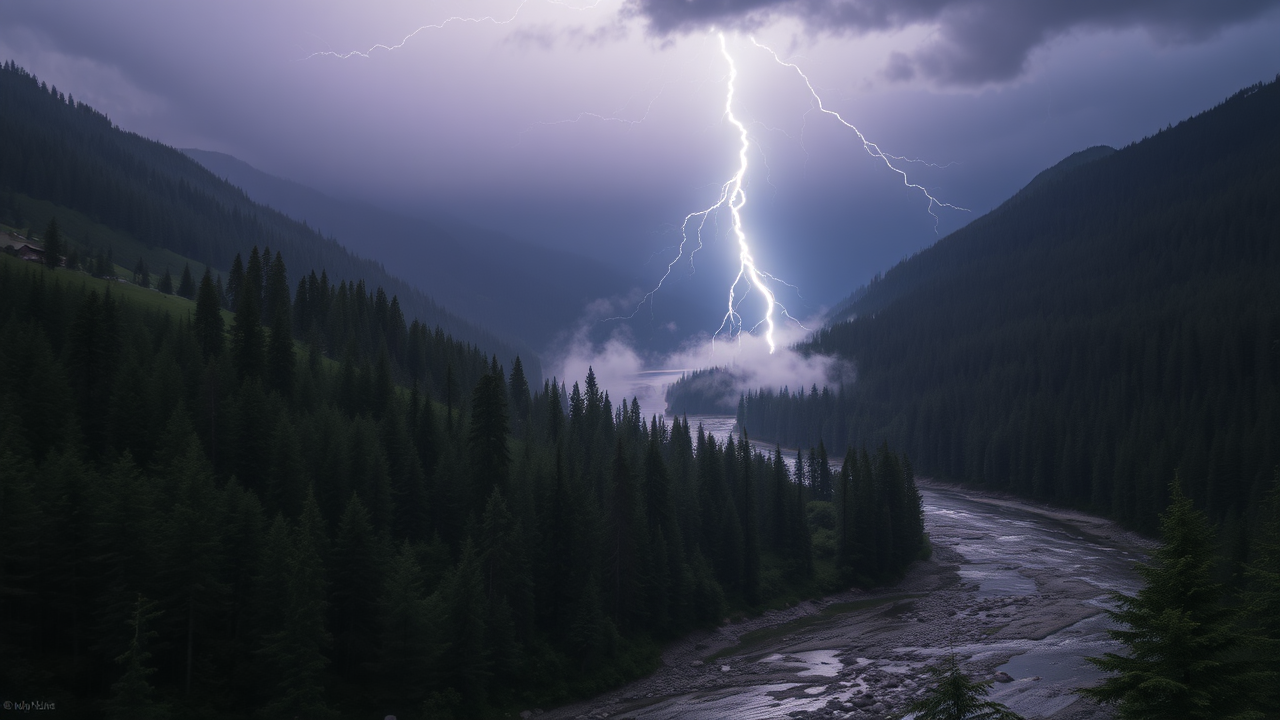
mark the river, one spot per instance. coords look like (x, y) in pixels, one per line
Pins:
(1016, 591)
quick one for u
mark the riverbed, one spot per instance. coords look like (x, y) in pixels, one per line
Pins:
(1016, 591)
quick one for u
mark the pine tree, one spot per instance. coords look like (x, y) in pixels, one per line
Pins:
(247, 342)
(132, 696)
(235, 281)
(518, 387)
(192, 547)
(253, 281)
(751, 541)
(281, 361)
(423, 429)
(555, 413)
(52, 244)
(358, 558)
(187, 285)
(507, 585)
(208, 323)
(1262, 599)
(823, 481)
(464, 601)
(490, 458)
(410, 501)
(383, 389)
(141, 274)
(408, 630)
(287, 481)
(621, 560)
(1180, 638)
(275, 296)
(954, 696)
(166, 283)
(295, 651)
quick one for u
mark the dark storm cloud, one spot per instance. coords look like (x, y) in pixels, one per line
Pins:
(977, 41)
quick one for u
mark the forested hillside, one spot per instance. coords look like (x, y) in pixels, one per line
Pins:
(482, 275)
(59, 155)
(1115, 324)
(213, 521)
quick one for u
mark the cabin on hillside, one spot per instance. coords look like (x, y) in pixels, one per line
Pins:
(28, 252)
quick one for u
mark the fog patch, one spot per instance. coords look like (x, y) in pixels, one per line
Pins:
(625, 371)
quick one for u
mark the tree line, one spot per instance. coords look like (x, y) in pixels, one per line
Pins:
(317, 509)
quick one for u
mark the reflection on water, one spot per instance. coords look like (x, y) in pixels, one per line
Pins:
(721, 426)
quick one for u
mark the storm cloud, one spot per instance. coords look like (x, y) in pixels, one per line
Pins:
(973, 42)
(593, 127)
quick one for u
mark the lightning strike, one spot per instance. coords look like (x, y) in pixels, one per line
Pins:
(733, 196)
(436, 26)
(448, 21)
(872, 148)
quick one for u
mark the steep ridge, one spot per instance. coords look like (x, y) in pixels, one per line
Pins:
(1114, 323)
(55, 149)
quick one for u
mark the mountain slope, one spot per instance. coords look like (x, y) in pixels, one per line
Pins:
(484, 276)
(907, 276)
(53, 149)
(1116, 322)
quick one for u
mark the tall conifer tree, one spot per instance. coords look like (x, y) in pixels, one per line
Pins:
(1182, 658)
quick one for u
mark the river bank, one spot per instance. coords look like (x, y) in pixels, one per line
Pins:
(1017, 591)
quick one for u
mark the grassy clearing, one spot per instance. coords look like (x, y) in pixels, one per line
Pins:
(178, 308)
(89, 238)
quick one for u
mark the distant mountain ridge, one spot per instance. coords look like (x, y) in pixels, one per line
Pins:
(875, 295)
(484, 276)
(1046, 178)
(57, 150)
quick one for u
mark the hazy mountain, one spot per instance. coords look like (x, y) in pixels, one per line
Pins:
(517, 289)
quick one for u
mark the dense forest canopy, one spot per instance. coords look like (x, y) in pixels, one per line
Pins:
(248, 525)
(1114, 322)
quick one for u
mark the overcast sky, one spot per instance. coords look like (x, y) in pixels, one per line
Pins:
(598, 127)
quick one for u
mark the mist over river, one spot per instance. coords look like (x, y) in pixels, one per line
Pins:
(1016, 590)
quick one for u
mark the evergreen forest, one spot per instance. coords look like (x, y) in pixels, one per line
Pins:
(316, 509)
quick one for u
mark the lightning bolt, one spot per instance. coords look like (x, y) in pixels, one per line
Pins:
(872, 148)
(441, 25)
(733, 196)
(435, 26)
